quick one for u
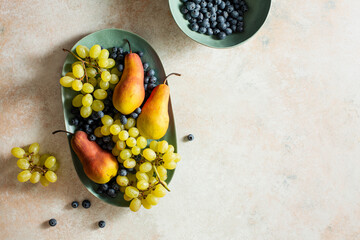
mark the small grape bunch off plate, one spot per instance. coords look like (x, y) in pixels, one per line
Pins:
(109, 38)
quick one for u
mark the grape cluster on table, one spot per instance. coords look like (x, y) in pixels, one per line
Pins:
(215, 17)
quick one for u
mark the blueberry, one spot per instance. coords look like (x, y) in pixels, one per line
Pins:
(113, 55)
(235, 14)
(126, 53)
(240, 18)
(197, 1)
(229, 8)
(120, 58)
(236, 1)
(227, 3)
(99, 141)
(123, 172)
(151, 86)
(222, 26)
(213, 10)
(137, 157)
(217, 2)
(150, 73)
(233, 22)
(202, 30)
(228, 31)
(123, 119)
(190, 6)
(244, 8)
(233, 28)
(240, 29)
(207, 15)
(192, 20)
(190, 137)
(216, 31)
(103, 187)
(145, 86)
(115, 186)
(75, 204)
(146, 79)
(99, 191)
(100, 114)
(120, 51)
(203, 3)
(220, 19)
(221, 35)
(194, 13)
(218, 12)
(209, 31)
(111, 192)
(88, 130)
(92, 137)
(210, 5)
(134, 115)
(184, 10)
(140, 53)
(52, 222)
(225, 14)
(138, 110)
(101, 224)
(146, 66)
(106, 139)
(90, 121)
(222, 5)
(114, 50)
(227, 24)
(201, 16)
(213, 17)
(120, 67)
(188, 16)
(74, 121)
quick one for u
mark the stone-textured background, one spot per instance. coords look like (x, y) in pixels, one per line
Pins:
(276, 124)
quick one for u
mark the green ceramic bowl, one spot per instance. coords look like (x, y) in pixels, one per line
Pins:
(253, 20)
(109, 38)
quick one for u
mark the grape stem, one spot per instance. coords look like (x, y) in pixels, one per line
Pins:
(57, 131)
(160, 181)
(177, 74)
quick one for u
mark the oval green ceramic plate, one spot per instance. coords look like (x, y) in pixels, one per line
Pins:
(109, 38)
(253, 20)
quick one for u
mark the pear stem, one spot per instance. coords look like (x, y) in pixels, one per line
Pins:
(177, 74)
(57, 131)
(129, 45)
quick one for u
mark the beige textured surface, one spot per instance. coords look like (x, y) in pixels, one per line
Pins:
(276, 122)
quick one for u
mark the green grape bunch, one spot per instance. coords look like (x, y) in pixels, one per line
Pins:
(36, 167)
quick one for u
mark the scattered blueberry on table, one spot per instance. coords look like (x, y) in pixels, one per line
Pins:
(52, 222)
(190, 137)
(101, 224)
(75, 204)
(215, 17)
(86, 204)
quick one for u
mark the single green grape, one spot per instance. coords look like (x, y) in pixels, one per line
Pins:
(103, 62)
(132, 192)
(142, 185)
(111, 63)
(159, 191)
(107, 120)
(177, 157)
(123, 135)
(93, 81)
(142, 176)
(115, 129)
(75, 63)
(145, 167)
(170, 165)
(35, 177)
(126, 197)
(104, 54)
(82, 51)
(120, 145)
(76, 85)
(115, 138)
(153, 200)
(88, 88)
(122, 181)
(114, 79)
(85, 112)
(131, 142)
(24, 176)
(66, 81)
(87, 100)
(97, 105)
(146, 204)
(97, 131)
(135, 205)
(100, 94)
(115, 152)
(78, 70)
(95, 51)
(104, 85)
(44, 181)
(141, 142)
(35, 159)
(51, 176)
(161, 170)
(170, 148)
(130, 123)
(23, 163)
(149, 154)
(129, 163)
(169, 156)
(162, 146)
(43, 159)
(125, 154)
(50, 162)
(77, 100)
(152, 180)
(153, 145)
(133, 132)
(115, 71)
(55, 167)
(105, 76)
(18, 152)
(91, 72)
(135, 150)
(105, 130)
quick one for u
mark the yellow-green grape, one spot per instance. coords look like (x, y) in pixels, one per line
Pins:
(126, 198)
(170, 165)
(115, 71)
(141, 176)
(35, 159)
(70, 74)
(177, 157)
(142, 185)
(107, 120)
(141, 142)
(50, 162)
(66, 81)
(34, 148)
(115, 138)
(125, 154)
(103, 62)
(153, 200)
(111, 63)
(18, 152)
(133, 132)
(132, 192)
(24, 176)
(152, 180)
(104, 85)
(120, 145)
(129, 163)
(93, 81)
(78, 71)
(115, 129)
(115, 151)
(105, 130)
(76, 85)
(97, 105)
(91, 72)
(105, 76)
(77, 100)
(100, 94)
(159, 191)
(82, 51)
(87, 100)
(169, 156)
(97, 132)
(117, 121)
(170, 148)
(23, 163)
(135, 150)
(43, 159)
(146, 204)
(44, 181)
(135, 205)
(162, 171)
(104, 54)
(123, 135)
(130, 123)
(145, 167)
(131, 142)
(51, 176)
(120, 160)
(88, 88)
(149, 154)
(122, 181)
(162, 146)
(95, 51)
(153, 145)
(35, 177)
(114, 79)
(85, 112)
(75, 63)
(55, 167)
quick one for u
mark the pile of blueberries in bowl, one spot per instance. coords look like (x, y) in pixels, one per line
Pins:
(215, 17)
